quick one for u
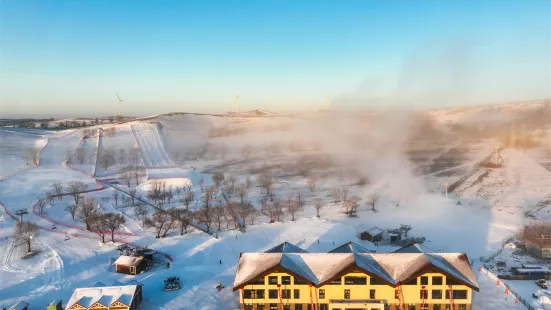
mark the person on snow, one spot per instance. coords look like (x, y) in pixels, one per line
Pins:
(168, 265)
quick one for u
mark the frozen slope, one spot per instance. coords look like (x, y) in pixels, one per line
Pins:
(151, 145)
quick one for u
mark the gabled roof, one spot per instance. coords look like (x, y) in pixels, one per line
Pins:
(374, 231)
(350, 247)
(128, 260)
(286, 247)
(106, 295)
(98, 284)
(54, 302)
(319, 268)
(410, 248)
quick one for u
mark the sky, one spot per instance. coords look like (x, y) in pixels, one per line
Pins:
(73, 57)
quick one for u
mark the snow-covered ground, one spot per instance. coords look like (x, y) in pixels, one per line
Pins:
(491, 208)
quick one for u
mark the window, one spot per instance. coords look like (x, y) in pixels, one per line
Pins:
(372, 294)
(347, 294)
(247, 294)
(436, 307)
(424, 307)
(411, 307)
(285, 280)
(322, 294)
(424, 280)
(248, 307)
(436, 294)
(452, 282)
(257, 281)
(259, 307)
(300, 281)
(411, 282)
(462, 307)
(335, 282)
(459, 294)
(296, 294)
(396, 294)
(286, 294)
(298, 306)
(324, 307)
(373, 281)
(397, 307)
(272, 294)
(259, 294)
(309, 307)
(272, 280)
(273, 307)
(423, 294)
(355, 280)
(437, 280)
(286, 307)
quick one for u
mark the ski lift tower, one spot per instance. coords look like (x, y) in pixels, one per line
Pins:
(20, 213)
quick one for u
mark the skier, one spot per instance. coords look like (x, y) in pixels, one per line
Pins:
(219, 287)
(168, 265)
(220, 262)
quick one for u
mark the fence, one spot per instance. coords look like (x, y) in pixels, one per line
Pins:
(524, 276)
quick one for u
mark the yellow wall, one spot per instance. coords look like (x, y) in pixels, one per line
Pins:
(410, 293)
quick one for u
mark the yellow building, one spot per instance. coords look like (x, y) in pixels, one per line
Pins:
(352, 278)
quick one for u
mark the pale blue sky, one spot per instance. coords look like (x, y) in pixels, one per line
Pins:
(71, 57)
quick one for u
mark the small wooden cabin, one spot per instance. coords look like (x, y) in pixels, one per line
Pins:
(373, 234)
(130, 264)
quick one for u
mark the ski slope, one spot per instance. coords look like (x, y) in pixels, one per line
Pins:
(151, 145)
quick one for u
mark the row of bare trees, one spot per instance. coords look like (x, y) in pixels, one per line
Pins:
(132, 173)
(58, 190)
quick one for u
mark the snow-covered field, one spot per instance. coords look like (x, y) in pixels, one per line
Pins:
(486, 209)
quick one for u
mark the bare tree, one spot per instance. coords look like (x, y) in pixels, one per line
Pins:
(232, 180)
(336, 195)
(72, 209)
(201, 184)
(232, 212)
(219, 214)
(292, 207)
(208, 195)
(255, 214)
(204, 216)
(190, 197)
(116, 197)
(98, 224)
(274, 210)
(372, 201)
(114, 222)
(245, 210)
(126, 176)
(122, 156)
(218, 178)
(248, 181)
(172, 220)
(134, 156)
(312, 180)
(107, 160)
(141, 211)
(184, 218)
(87, 210)
(344, 192)
(242, 193)
(24, 233)
(75, 189)
(300, 200)
(50, 196)
(351, 206)
(58, 189)
(405, 229)
(158, 221)
(40, 205)
(318, 204)
(227, 188)
(266, 180)
(133, 194)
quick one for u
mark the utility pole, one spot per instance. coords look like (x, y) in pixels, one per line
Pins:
(20, 213)
(445, 186)
(236, 104)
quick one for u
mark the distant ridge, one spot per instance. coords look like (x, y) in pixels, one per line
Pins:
(253, 113)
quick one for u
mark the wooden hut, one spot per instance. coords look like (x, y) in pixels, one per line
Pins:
(373, 234)
(130, 264)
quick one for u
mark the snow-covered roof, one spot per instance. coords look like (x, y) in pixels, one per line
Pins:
(106, 296)
(54, 302)
(410, 248)
(350, 247)
(128, 260)
(286, 247)
(133, 282)
(98, 284)
(374, 231)
(19, 306)
(319, 268)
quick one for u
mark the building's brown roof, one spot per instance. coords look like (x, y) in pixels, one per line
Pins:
(319, 268)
